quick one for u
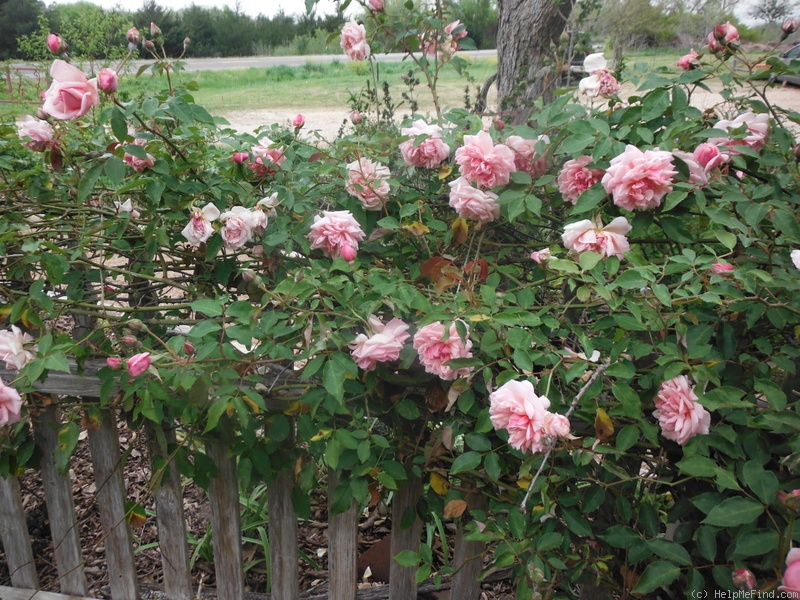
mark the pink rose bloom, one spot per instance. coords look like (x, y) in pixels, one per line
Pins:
(369, 182)
(755, 128)
(354, 41)
(540, 256)
(138, 363)
(724, 35)
(679, 414)
(434, 349)
(697, 173)
(298, 121)
(139, 164)
(199, 228)
(71, 95)
(263, 210)
(709, 156)
(376, 5)
(639, 180)
(133, 36)
(384, 345)
(434, 45)
(687, 62)
(266, 158)
(12, 348)
(457, 27)
(240, 157)
(36, 135)
(472, 203)
(791, 576)
(56, 44)
(531, 427)
(336, 233)
(114, 362)
(525, 158)
(355, 117)
(430, 152)
(108, 81)
(483, 162)
(585, 236)
(600, 82)
(237, 226)
(576, 177)
(10, 405)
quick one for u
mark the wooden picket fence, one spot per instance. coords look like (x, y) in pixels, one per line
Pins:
(225, 522)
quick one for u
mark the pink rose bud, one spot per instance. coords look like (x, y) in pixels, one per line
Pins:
(133, 36)
(726, 33)
(789, 27)
(56, 44)
(188, 348)
(687, 62)
(138, 363)
(540, 256)
(114, 362)
(240, 157)
(744, 580)
(149, 46)
(108, 81)
(721, 268)
(129, 340)
(499, 125)
(355, 117)
(790, 500)
(376, 5)
(298, 121)
(155, 31)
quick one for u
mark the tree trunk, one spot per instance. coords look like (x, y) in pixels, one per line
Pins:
(527, 64)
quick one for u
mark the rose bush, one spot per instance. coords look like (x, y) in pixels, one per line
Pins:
(629, 412)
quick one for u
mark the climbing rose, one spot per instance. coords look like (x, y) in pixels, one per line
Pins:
(384, 345)
(576, 177)
(138, 363)
(639, 180)
(262, 211)
(483, 162)
(791, 576)
(12, 348)
(369, 182)
(679, 414)
(199, 228)
(127, 207)
(434, 349)
(687, 62)
(10, 405)
(108, 81)
(531, 427)
(430, 152)
(525, 157)
(71, 95)
(336, 233)
(237, 226)
(586, 235)
(240, 157)
(36, 135)
(472, 203)
(354, 41)
(755, 127)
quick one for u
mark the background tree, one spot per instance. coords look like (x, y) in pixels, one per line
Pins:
(772, 11)
(17, 18)
(480, 18)
(629, 24)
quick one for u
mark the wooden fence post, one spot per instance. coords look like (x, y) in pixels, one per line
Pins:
(468, 556)
(16, 541)
(60, 506)
(342, 547)
(107, 465)
(283, 542)
(402, 580)
(226, 523)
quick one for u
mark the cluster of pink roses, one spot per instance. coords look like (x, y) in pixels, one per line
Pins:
(426, 152)
(337, 234)
(679, 414)
(435, 345)
(531, 427)
(239, 224)
(266, 158)
(16, 349)
(135, 365)
(442, 45)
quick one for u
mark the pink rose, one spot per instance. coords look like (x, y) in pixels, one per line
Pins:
(13, 348)
(585, 236)
(199, 228)
(266, 158)
(639, 180)
(679, 414)
(744, 579)
(133, 36)
(483, 162)
(71, 95)
(600, 82)
(709, 156)
(576, 177)
(428, 153)
(697, 173)
(155, 30)
(376, 5)
(298, 121)
(369, 182)
(354, 41)
(37, 135)
(108, 81)
(114, 362)
(525, 157)
(723, 269)
(687, 62)
(531, 427)
(435, 347)
(263, 210)
(56, 44)
(540, 256)
(472, 203)
(355, 117)
(10, 405)
(791, 576)
(789, 27)
(384, 345)
(138, 363)
(337, 234)
(456, 30)
(240, 157)
(725, 35)
(127, 207)
(753, 127)
(139, 164)
(237, 226)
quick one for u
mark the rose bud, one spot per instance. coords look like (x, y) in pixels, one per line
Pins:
(138, 363)
(355, 117)
(149, 46)
(133, 36)
(155, 31)
(108, 80)
(114, 362)
(240, 157)
(789, 27)
(188, 348)
(299, 121)
(56, 44)
(744, 580)
(376, 5)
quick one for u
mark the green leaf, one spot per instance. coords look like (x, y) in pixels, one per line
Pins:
(119, 125)
(670, 550)
(733, 512)
(86, 185)
(333, 379)
(756, 543)
(468, 461)
(620, 536)
(589, 199)
(218, 408)
(576, 523)
(115, 170)
(763, 483)
(656, 575)
(210, 308)
(407, 558)
(549, 541)
(698, 466)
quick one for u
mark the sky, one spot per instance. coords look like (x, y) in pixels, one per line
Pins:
(253, 8)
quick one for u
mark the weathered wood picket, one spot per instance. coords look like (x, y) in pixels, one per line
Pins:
(226, 531)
